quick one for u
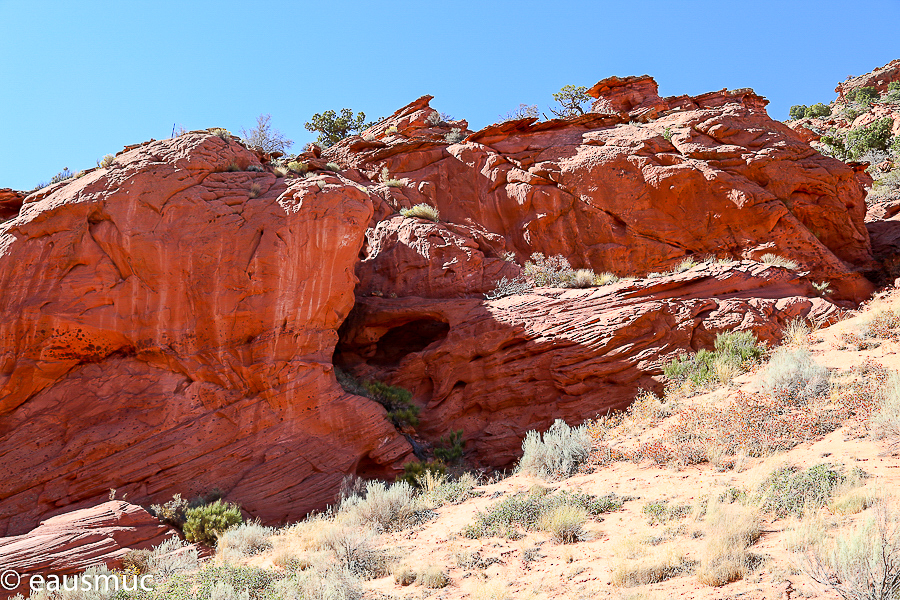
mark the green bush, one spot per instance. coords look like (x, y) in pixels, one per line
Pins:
(875, 136)
(451, 448)
(798, 111)
(333, 128)
(204, 523)
(733, 353)
(818, 110)
(790, 491)
(526, 510)
(416, 470)
(396, 400)
(863, 95)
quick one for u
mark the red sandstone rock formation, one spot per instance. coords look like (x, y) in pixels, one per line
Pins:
(72, 542)
(10, 203)
(879, 79)
(165, 326)
(497, 369)
(712, 174)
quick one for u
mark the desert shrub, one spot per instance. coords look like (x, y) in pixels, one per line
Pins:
(225, 591)
(233, 167)
(774, 260)
(452, 447)
(864, 563)
(863, 95)
(793, 373)
(106, 161)
(822, 287)
(172, 512)
(654, 569)
(422, 211)
(797, 333)
(244, 540)
(204, 523)
(558, 453)
(404, 575)
(333, 166)
(798, 111)
(254, 191)
(281, 171)
(663, 512)
(551, 271)
(570, 98)
(886, 187)
(437, 489)
(433, 577)
(392, 130)
(332, 127)
(509, 287)
(385, 507)
(583, 278)
(882, 323)
(396, 400)
(414, 470)
(455, 136)
(668, 133)
(434, 119)
(564, 523)
(887, 417)
(221, 133)
(605, 278)
(312, 584)
(730, 531)
(270, 140)
(298, 167)
(874, 137)
(733, 353)
(818, 110)
(790, 491)
(355, 550)
(172, 557)
(524, 111)
(61, 176)
(526, 511)
(137, 561)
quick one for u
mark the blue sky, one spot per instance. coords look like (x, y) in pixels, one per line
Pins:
(83, 79)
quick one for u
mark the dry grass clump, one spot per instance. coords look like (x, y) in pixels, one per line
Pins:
(333, 166)
(106, 161)
(798, 333)
(313, 584)
(281, 171)
(437, 489)
(491, 589)
(793, 373)
(220, 132)
(433, 578)
(882, 323)
(730, 531)
(298, 167)
(404, 575)
(886, 419)
(583, 278)
(244, 540)
(565, 523)
(557, 453)
(422, 211)
(605, 278)
(662, 565)
(550, 271)
(254, 191)
(774, 260)
(355, 549)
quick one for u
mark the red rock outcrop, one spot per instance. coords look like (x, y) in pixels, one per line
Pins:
(10, 203)
(879, 79)
(416, 257)
(70, 543)
(497, 369)
(713, 174)
(167, 325)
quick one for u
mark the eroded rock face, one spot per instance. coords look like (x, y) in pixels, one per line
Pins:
(711, 174)
(10, 202)
(879, 79)
(167, 326)
(417, 257)
(497, 369)
(72, 542)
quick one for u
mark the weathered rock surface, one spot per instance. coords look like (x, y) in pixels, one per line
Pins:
(167, 325)
(10, 203)
(72, 542)
(497, 369)
(416, 257)
(879, 79)
(712, 174)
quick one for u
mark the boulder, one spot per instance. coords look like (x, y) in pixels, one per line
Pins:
(71, 542)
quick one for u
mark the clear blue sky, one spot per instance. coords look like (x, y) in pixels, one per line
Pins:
(83, 79)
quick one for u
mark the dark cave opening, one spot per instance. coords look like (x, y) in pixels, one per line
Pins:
(406, 339)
